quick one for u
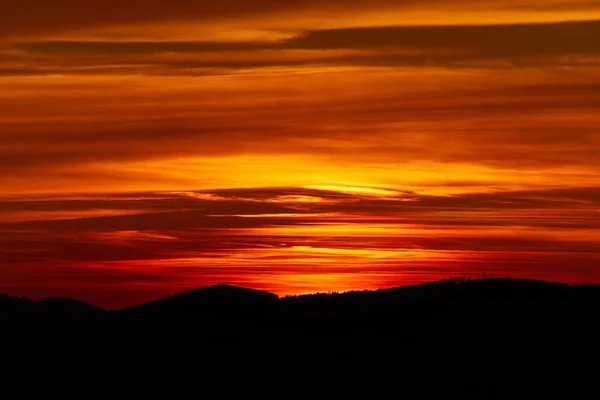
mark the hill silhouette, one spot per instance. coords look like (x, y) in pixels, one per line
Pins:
(20, 308)
(217, 299)
(491, 300)
(456, 338)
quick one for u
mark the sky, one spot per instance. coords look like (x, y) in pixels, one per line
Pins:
(150, 147)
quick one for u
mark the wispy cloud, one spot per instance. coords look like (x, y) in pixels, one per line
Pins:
(541, 231)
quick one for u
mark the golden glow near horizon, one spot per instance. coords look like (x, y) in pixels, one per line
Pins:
(296, 146)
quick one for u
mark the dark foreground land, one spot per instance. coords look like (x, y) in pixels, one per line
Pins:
(496, 338)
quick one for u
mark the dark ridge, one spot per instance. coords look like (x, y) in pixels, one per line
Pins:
(411, 310)
(21, 308)
(217, 298)
(66, 307)
(484, 298)
(452, 339)
(10, 305)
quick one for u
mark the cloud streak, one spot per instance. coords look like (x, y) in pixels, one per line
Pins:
(35, 16)
(565, 43)
(372, 239)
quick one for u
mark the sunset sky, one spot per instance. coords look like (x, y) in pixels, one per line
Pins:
(149, 146)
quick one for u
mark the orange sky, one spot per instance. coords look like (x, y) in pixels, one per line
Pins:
(295, 146)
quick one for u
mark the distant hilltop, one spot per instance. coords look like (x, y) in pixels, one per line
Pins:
(481, 299)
